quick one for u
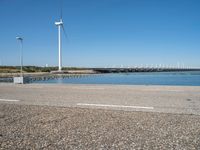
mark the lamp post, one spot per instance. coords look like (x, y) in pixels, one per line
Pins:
(21, 53)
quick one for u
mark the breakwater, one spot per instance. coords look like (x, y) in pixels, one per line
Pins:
(31, 79)
(141, 69)
(44, 77)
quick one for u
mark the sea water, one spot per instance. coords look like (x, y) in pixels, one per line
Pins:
(189, 78)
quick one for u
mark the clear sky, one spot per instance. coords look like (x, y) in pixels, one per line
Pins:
(102, 32)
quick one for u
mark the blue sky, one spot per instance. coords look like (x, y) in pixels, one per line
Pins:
(102, 32)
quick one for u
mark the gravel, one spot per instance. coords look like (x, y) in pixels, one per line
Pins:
(46, 127)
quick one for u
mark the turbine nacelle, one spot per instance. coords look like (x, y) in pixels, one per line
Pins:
(59, 23)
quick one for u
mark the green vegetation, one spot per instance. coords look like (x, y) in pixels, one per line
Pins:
(31, 69)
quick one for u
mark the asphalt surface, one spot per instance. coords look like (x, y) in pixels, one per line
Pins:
(44, 127)
(167, 99)
(38, 116)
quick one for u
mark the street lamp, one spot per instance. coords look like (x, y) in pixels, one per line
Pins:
(20, 80)
(21, 53)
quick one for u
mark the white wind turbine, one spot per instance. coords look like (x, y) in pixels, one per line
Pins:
(60, 25)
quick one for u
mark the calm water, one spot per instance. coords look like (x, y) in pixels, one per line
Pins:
(156, 78)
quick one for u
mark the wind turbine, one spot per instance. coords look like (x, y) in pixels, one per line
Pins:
(60, 25)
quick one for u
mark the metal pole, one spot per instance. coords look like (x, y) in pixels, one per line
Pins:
(59, 49)
(21, 54)
(21, 57)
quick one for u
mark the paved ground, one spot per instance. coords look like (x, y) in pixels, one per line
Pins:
(44, 127)
(168, 99)
(60, 117)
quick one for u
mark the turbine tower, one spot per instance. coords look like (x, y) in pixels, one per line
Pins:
(59, 24)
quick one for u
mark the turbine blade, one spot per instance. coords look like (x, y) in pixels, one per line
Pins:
(61, 9)
(65, 33)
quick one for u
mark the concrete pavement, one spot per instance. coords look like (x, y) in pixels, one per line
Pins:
(45, 127)
(39, 116)
(166, 99)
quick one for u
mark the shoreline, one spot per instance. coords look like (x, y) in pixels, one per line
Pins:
(43, 78)
(160, 87)
(31, 77)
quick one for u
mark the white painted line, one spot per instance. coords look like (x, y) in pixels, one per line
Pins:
(9, 100)
(116, 106)
(88, 88)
